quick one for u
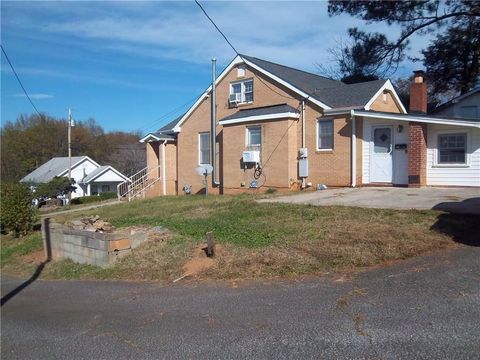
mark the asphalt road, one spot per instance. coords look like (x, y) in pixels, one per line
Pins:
(422, 308)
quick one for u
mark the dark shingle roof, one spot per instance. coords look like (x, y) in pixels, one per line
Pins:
(333, 93)
(165, 135)
(169, 127)
(266, 110)
(350, 95)
(455, 99)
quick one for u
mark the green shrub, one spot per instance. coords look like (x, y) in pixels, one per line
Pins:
(271, 191)
(17, 212)
(56, 187)
(94, 198)
(108, 195)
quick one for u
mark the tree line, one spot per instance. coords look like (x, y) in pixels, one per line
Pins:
(451, 56)
(32, 140)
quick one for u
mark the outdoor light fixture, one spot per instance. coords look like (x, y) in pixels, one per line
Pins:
(400, 128)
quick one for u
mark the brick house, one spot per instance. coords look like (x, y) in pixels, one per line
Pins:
(283, 128)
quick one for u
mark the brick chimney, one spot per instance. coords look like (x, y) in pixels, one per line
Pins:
(418, 93)
(417, 133)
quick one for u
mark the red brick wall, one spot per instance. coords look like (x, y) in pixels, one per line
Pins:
(417, 154)
(418, 97)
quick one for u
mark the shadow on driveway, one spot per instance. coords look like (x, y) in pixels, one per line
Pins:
(467, 206)
(462, 228)
(23, 285)
(39, 269)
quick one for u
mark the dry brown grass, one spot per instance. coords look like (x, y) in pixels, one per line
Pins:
(268, 240)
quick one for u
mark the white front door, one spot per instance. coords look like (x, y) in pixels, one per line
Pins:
(381, 166)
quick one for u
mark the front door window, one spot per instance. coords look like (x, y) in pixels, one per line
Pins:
(382, 138)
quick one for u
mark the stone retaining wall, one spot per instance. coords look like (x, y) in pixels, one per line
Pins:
(87, 247)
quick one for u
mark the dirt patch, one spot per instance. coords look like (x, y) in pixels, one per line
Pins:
(200, 262)
(34, 257)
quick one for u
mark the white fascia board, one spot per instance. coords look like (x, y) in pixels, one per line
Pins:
(415, 118)
(237, 60)
(148, 137)
(387, 86)
(288, 85)
(287, 115)
(107, 169)
(152, 137)
(78, 163)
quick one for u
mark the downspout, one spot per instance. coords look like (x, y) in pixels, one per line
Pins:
(303, 123)
(354, 150)
(303, 137)
(164, 169)
(213, 132)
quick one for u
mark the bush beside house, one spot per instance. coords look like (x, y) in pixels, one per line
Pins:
(17, 213)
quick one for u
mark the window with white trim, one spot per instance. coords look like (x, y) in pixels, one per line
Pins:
(241, 92)
(452, 149)
(254, 136)
(204, 148)
(325, 135)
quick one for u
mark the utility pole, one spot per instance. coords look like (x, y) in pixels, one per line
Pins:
(70, 124)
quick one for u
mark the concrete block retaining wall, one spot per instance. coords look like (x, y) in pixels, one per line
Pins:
(87, 247)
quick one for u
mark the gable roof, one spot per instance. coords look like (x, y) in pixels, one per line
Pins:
(320, 90)
(332, 92)
(56, 166)
(166, 132)
(170, 126)
(101, 170)
(456, 99)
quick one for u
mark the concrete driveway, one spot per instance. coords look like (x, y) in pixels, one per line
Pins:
(422, 308)
(454, 200)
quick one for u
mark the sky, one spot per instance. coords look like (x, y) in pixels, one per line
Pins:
(134, 66)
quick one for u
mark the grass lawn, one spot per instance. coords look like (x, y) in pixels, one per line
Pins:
(258, 240)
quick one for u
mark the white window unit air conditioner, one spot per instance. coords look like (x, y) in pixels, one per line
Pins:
(235, 98)
(251, 156)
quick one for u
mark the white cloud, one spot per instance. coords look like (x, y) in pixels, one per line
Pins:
(298, 34)
(36, 96)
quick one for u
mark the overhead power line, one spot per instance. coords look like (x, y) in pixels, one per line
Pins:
(236, 52)
(19, 81)
(218, 29)
(166, 115)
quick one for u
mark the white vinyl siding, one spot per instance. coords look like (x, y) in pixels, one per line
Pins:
(467, 174)
(204, 148)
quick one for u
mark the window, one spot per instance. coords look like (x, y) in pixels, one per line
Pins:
(254, 136)
(325, 135)
(452, 148)
(241, 92)
(105, 188)
(204, 148)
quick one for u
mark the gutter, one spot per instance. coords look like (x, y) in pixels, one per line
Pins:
(213, 132)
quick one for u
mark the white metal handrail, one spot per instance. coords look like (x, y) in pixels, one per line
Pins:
(138, 183)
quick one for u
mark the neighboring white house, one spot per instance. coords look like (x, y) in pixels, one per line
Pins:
(466, 106)
(90, 178)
